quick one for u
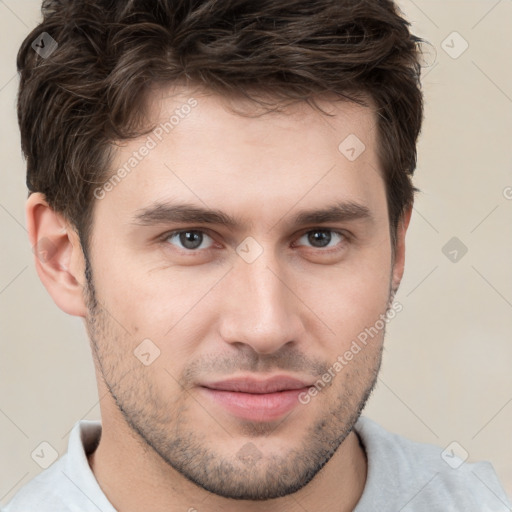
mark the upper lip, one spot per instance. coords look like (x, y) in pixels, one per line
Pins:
(251, 385)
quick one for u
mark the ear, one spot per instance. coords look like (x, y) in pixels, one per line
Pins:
(399, 260)
(58, 255)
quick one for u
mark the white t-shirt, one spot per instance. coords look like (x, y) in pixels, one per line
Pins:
(402, 476)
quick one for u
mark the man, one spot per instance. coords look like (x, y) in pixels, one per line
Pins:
(221, 190)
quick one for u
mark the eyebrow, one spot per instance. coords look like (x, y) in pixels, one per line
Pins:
(161, 213)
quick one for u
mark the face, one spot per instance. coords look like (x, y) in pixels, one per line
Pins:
(293, 266)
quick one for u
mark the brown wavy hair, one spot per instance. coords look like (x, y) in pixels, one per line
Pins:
(89, 93)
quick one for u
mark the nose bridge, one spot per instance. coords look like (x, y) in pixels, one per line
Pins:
(260, 310)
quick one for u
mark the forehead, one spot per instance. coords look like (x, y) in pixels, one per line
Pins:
(211, 117)
(230, 154)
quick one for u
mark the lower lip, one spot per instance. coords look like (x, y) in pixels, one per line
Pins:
(256, 407)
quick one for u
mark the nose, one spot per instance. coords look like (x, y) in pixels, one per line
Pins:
(260, 308)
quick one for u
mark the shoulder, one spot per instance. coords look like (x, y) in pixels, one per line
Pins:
(68, 484)
(40, 492)
(423, 477)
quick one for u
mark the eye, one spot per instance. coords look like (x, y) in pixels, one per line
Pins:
(190, 240)
(322, 238)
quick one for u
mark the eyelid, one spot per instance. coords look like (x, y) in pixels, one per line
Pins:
(339, 231)
(168, 234)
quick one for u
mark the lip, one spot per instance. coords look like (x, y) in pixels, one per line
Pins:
(258, 386)
(256, 400)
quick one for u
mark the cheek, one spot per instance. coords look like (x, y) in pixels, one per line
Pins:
(349, 296)
(158, 303)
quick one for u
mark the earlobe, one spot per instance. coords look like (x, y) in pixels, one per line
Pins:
(58, 255)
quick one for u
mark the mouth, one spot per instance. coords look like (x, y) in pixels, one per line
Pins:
(256, 400)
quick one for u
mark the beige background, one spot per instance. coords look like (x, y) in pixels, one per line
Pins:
(447, 368)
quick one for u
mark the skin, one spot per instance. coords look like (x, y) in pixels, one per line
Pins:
(213, 315)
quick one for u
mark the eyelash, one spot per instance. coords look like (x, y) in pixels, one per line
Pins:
(343, 234)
